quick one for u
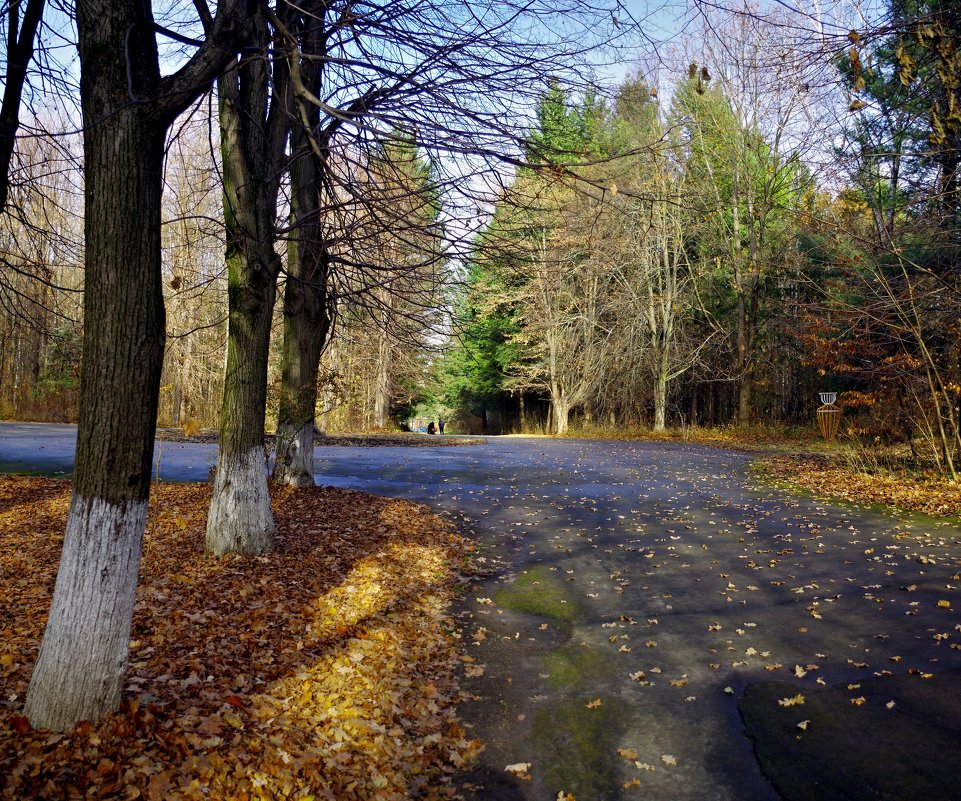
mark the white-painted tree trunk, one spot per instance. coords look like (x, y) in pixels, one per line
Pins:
(240, 519)
(561, 416)
(83, 659)
(295, 455)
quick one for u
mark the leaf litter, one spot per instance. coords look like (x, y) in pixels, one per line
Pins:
(326, 670)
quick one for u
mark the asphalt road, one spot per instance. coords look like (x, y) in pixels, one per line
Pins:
(636, 591)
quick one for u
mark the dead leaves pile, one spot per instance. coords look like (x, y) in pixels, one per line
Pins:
(931, 496)
(326, 670)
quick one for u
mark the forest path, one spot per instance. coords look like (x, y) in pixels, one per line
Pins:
(642, 600)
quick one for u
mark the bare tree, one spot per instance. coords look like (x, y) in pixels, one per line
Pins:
(127, 107)
(254, 127)
(462, 86)
(22, 24)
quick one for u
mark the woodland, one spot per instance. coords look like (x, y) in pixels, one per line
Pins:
(344, 215)
(761, 209)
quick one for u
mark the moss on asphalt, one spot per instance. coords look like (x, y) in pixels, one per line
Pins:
(578, 747)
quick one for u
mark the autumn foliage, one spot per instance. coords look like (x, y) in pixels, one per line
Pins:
(325, 670)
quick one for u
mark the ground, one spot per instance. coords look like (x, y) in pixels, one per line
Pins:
(647, 617)
(327, 665)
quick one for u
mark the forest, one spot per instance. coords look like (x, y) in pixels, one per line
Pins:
(766, 210)
(343, 215)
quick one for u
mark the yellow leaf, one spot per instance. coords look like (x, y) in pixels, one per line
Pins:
(627, 753)
(233, 720)
(595, 703)
(797, 700)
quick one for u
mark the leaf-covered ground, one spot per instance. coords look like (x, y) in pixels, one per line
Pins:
(326, 670)
(930, 495)
(799, 457)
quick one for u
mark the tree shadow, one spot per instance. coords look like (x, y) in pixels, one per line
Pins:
(325, 664)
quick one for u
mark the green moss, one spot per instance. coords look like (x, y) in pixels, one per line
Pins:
(538, 592)
(577, 747)
(572, 665)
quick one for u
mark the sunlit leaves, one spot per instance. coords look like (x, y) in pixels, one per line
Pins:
(326, 665)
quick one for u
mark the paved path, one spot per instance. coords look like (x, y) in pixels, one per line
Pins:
(637, 590)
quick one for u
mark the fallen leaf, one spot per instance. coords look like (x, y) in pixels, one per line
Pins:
(797, 700)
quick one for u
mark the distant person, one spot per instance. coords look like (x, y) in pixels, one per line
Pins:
(430, 428)
(440, 426)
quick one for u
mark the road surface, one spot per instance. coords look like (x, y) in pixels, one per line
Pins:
(636, 591)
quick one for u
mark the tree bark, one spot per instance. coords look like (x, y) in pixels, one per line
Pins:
(306, 325)
(744, 381)
(83, 657)
(20, 46)
(660, 393)
(382, 385)
(240, 518)
(307, 307)
(305, 335)
(562, 413)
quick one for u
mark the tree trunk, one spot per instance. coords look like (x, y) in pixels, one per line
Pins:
(176, 402)
(382, 379)
(19, 52)
(306, 324)
(240, 518)
(660, 395)
(745, 379)
(562, 414)
(294, 444)
(307, 315)
(381, 393)
(83, 658)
